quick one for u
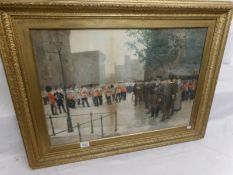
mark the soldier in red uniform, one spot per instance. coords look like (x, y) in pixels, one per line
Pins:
(108, 95)
(96, 96)
(118, 94)
(100, 96)
(52, 101)
(123, 92)
(84, 97)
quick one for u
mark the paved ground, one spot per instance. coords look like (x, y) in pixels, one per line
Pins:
(130, 119)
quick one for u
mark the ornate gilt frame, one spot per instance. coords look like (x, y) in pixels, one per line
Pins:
(16, 17)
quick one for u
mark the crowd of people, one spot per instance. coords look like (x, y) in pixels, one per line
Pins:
(157, 96)
(164, 96)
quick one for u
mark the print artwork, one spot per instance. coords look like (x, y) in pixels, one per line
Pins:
(102, 83)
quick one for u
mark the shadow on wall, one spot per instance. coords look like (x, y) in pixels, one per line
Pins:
(228, 57)
(6, 106)
(222, 105)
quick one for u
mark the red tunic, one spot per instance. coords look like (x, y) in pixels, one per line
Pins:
(52, 98)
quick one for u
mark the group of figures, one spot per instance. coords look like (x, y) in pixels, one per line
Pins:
(164, 96)
(157, 96)
(81, 97)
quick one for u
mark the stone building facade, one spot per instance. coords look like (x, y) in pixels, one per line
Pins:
(88, 68)
(79, 68)
(130, 71)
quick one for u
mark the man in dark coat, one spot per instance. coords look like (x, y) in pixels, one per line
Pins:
(156, 100)
(138, 92)
(174, 88)
(60, 101)
(147, 93)
(166, 89)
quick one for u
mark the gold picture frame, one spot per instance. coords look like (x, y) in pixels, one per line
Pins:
(17, 18)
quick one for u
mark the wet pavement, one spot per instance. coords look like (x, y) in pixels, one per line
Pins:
(130, 119)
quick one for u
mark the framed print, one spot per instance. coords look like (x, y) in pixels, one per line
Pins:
(93, 79)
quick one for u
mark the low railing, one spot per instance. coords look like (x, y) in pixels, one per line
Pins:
(101, 118)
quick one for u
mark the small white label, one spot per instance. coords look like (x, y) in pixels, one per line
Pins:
(189, 127)
(84, 144)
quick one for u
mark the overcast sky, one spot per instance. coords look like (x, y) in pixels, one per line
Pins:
(109, 41)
